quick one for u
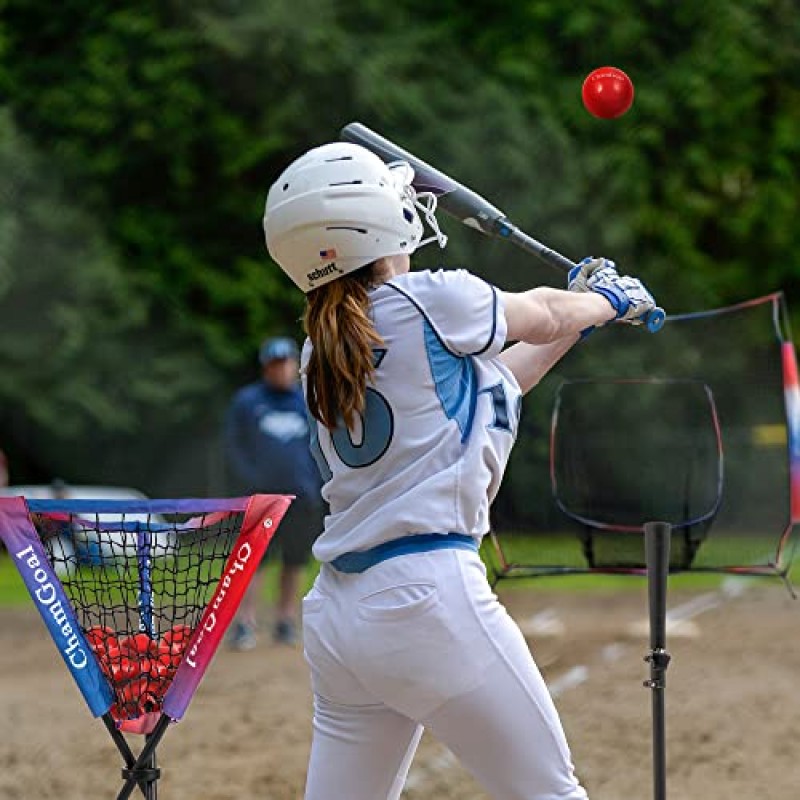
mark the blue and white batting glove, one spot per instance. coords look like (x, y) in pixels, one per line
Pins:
(578, 276)
(628, 296)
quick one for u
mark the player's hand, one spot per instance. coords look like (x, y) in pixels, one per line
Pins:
(578, 276)
(628, 296)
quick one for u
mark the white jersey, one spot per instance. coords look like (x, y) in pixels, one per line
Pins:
(441, 417)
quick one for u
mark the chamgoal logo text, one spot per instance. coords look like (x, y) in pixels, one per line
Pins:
(242, 557)
(47, 597)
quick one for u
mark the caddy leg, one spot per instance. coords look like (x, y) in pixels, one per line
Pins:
(144, 768)
(122, 745)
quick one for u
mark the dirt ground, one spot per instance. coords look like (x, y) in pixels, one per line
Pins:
(732, 699)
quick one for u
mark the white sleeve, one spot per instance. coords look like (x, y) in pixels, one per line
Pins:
(465, 311)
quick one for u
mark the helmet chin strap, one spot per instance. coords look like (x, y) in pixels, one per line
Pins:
(425, 202)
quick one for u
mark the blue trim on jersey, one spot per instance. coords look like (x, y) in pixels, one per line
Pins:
(494, 322)
(361, 561)
(455, 381)
(428, 320)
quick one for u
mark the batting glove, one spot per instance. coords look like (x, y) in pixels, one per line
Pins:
(628, 296)
(578, 276)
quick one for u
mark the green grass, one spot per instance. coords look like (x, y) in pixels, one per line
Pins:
(561, 549)
(12, 589)
(14, 593)
(270, 593)
(591, 582)
(693, 581)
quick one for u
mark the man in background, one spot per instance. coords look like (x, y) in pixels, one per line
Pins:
(266, 439)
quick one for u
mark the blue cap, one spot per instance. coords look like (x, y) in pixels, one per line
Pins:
(277, 348)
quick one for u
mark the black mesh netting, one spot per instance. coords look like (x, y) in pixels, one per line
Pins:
(138, 585)
(687, 426)
(670, 471)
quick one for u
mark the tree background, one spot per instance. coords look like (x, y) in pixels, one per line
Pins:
(138, 140)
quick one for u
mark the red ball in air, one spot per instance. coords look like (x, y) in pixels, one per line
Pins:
(607, 92)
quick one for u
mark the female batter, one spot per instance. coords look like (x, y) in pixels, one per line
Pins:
(417, 402)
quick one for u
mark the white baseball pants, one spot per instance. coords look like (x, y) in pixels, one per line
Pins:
(421, 641)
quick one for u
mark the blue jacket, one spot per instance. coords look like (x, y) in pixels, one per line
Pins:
(266, 438)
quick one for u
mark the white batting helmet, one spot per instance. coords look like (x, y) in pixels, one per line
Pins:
(339, 207)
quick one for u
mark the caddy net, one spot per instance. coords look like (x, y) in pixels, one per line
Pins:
(137, 595)
(696, 426)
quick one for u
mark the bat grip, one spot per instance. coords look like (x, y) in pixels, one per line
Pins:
(505, 229)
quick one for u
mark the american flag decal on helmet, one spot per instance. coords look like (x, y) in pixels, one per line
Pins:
(327, 255)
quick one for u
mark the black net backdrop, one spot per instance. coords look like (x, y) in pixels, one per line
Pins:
(139, 633)
(687, 426)
(671, 471)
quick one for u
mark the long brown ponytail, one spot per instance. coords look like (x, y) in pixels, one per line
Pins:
(338, 324)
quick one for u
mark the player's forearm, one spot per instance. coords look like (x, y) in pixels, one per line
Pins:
(529, 363)
(544, 315)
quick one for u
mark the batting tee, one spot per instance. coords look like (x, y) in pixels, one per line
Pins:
(137, 596)
(697, 426)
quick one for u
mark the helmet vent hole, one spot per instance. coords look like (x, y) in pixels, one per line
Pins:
(339, 158)
(346, 183)
(409, 217)
(345, 228)
(285, 186)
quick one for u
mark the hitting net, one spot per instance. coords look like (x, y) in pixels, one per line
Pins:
(695, 426)
(678, 465)
(137, 596)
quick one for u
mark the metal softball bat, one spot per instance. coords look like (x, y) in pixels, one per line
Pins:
(468, 206)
